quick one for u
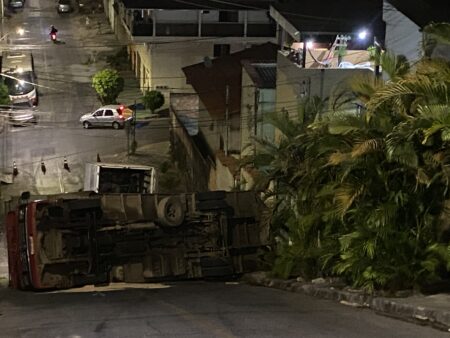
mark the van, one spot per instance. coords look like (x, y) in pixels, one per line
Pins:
(17, 70)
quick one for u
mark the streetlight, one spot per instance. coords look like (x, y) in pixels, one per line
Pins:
(306, 45)
(19, 31)
(362, 35)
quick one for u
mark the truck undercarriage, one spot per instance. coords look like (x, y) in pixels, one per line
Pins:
(66, 241)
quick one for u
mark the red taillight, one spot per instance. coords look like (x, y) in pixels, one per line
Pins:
(121, 117)
(121, 108)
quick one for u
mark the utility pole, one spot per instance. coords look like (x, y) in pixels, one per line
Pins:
(133, 121)
(377, 57)
(227, 97)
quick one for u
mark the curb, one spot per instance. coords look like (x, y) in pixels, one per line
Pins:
(434, 317)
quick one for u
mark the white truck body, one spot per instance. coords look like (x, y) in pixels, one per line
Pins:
(119, 178)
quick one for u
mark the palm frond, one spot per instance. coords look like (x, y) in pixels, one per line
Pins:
(367, 146)
(429, 90)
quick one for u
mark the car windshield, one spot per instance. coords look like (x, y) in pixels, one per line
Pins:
(21, 85)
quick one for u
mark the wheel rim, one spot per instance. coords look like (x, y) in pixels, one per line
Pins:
(115, 125)
(86, 125)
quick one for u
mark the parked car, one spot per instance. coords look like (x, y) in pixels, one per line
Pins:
(16, 4)
(22, 113)
(107, 116)
(64, 6)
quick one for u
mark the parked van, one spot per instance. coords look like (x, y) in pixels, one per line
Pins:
(18, 74)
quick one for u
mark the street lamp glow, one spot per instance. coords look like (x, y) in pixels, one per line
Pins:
(309, 44)
(20, 31)
(362, 35)
(19, 70)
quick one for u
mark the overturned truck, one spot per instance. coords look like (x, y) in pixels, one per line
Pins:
(69, 240)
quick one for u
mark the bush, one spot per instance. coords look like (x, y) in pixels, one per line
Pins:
(108, 84)
(153, 100)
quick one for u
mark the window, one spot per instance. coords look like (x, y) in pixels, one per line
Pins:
(98, 113)
(221, 50)
(109, 113)
(228, 16)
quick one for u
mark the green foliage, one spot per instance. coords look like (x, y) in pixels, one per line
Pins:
(119, 60)
(170, 178)
(153, 100)
(108, 84)
(4, 94)
(364, 196)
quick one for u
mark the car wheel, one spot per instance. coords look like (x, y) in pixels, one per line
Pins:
(115, 125)
(86, 125)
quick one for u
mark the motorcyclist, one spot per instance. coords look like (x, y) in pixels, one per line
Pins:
(53, 30)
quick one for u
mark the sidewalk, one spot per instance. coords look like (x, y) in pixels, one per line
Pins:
(431, 310)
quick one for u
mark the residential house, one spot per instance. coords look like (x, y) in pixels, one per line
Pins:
(166, 35)
(206, 134)
(320, 49)
(405, 21)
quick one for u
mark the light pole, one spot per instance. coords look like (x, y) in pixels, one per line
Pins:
(362, 35)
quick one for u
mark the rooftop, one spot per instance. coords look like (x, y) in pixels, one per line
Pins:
(210, 79)
(263, 74)
(199, 4)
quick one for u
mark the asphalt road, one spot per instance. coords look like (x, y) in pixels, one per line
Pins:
(64, 73)
(190, 309)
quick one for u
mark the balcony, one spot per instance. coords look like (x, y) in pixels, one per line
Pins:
(143, 28)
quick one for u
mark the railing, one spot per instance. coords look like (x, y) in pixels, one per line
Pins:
(207, 29)
(179, 29)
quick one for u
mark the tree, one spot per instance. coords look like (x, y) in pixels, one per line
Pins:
(4, 94)
(108, 84)
(153, 100)
(366, 195)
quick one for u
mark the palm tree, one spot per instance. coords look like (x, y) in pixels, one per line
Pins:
(364, 195)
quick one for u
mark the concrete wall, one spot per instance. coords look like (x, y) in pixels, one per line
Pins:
(197, 169)
(210, 128)
(224, 179)
(167, 61)
(402, 35)
(254, 123)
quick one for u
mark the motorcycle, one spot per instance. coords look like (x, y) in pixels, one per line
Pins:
(53, 37)
(52, 34)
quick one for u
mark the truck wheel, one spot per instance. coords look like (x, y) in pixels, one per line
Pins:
(170, 211)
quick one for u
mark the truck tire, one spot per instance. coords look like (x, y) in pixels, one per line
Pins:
(211, 195)
(170, 211)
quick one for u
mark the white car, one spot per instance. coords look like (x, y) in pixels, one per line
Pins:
(107, 116)
(22, 113)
